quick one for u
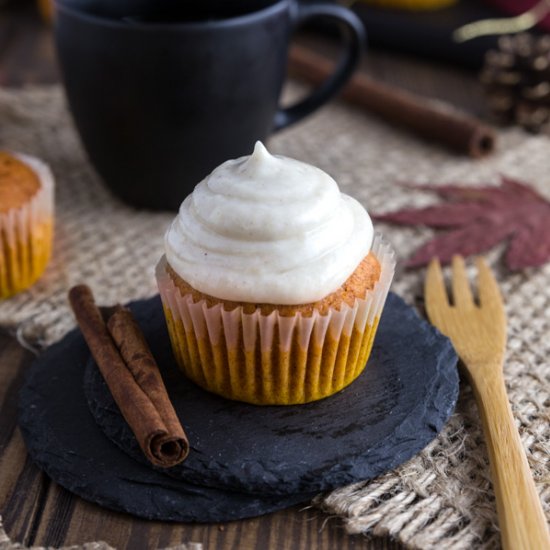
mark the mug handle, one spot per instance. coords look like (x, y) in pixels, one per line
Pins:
(356, 41)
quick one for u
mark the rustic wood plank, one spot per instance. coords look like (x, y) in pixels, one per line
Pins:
(22, 486)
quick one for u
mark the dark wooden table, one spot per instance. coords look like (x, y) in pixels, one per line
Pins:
(37, 511)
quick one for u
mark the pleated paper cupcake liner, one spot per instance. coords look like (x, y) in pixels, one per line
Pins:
(274, 359)
(26, 234)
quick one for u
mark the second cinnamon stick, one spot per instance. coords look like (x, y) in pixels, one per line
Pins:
(427, 118)
(171, 443)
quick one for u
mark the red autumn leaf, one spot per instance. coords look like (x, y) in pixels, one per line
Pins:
(478, 219)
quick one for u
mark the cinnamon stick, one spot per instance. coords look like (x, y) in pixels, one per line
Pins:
(427, 118)
(129, 369)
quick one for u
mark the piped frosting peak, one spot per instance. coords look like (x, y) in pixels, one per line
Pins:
(268, 229)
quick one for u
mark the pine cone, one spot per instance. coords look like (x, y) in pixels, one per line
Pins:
(516, 78)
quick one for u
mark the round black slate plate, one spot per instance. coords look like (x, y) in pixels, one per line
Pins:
(63, 439)
(392, 411)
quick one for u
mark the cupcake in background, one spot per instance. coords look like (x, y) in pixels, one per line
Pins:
(272, 282)
(26, 221)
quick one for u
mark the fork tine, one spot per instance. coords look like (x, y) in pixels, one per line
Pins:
(434, 291)
(489, 293)
(462, 292)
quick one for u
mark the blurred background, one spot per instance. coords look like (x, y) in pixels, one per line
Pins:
(412, 43)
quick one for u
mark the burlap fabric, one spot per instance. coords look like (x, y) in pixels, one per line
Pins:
(442, 498)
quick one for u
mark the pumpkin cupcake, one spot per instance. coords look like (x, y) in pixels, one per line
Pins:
(26, 221)
(272, 282)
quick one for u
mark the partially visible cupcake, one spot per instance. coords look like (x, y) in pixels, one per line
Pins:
(26, 221)
(272, 283)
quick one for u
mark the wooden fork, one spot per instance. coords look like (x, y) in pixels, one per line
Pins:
(478, 333)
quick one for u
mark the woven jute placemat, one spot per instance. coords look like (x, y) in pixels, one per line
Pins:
(442, 498)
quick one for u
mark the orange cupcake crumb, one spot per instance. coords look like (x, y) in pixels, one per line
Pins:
(18, 183)
(356, 286)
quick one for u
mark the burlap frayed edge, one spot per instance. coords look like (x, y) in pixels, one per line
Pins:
(7, 544)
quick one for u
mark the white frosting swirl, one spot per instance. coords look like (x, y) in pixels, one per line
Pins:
(268, 229)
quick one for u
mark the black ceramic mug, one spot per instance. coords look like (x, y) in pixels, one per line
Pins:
(162, 91)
